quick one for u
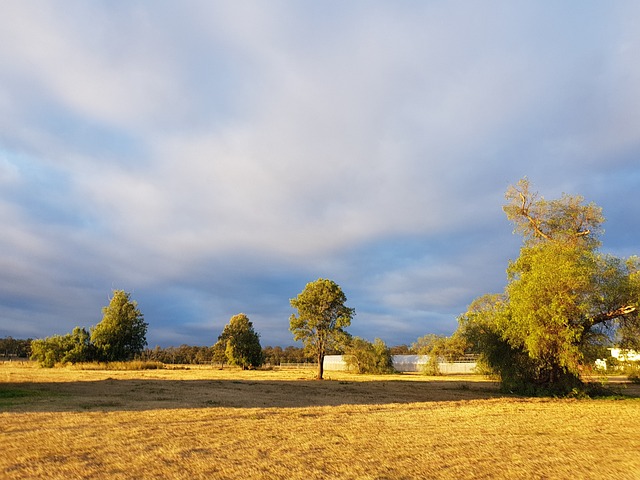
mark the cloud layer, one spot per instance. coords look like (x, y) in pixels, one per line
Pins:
(213, 157)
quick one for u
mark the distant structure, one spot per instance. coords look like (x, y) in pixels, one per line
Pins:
(620, 354)
(409, 363)
(405, 363)
(625, 355)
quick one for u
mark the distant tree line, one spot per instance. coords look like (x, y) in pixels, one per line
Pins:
(203, 355)
(182, 355)
(279, 355)
(15, 347)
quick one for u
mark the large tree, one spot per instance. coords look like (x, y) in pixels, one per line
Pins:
(321, 319)
(562, 296)
(121, 334)
(240, 343)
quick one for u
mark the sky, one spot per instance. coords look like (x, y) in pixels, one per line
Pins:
(213, 157)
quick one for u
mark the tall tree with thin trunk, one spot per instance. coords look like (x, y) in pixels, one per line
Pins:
(321, 319)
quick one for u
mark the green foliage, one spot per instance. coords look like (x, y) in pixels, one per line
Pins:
(81, 348)
(121, 335)
(366, 357)
(549, 295)
(563, 302)
(220, 352)
(321, 319)
(594, 346)
(239, 343)
(48, 351)
(70, 348)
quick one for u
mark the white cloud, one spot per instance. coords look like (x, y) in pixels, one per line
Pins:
(285, 137)
(102, 64)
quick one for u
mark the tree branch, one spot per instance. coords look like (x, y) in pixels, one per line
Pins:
(524, 211)
(619, 312)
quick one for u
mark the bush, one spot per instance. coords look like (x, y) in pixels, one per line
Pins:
(632, 371)
(366, 357)
(72, 348)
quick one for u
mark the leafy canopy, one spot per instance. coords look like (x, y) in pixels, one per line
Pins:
(122, 332)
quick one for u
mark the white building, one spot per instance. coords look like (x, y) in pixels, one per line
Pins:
(625, 355)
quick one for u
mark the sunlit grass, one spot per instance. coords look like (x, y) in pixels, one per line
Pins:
(209, 423)
(132, 365)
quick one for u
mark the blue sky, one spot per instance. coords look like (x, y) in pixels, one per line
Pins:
(212, 158)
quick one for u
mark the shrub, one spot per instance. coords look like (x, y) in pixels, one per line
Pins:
(366, 357)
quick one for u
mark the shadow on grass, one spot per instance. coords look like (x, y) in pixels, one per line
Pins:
(147, 394)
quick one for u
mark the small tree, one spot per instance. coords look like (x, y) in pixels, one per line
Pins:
(220, 352)
(322, 317)
(240, 343)
(439, 348)
(366, 357)
(122, 332)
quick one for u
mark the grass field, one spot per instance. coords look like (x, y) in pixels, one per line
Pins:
(227, 424)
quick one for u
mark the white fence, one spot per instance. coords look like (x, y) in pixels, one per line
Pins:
(405, 363)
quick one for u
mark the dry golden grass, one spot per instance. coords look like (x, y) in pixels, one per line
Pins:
(207, 423)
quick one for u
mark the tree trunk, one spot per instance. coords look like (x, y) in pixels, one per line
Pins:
(320, 366)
